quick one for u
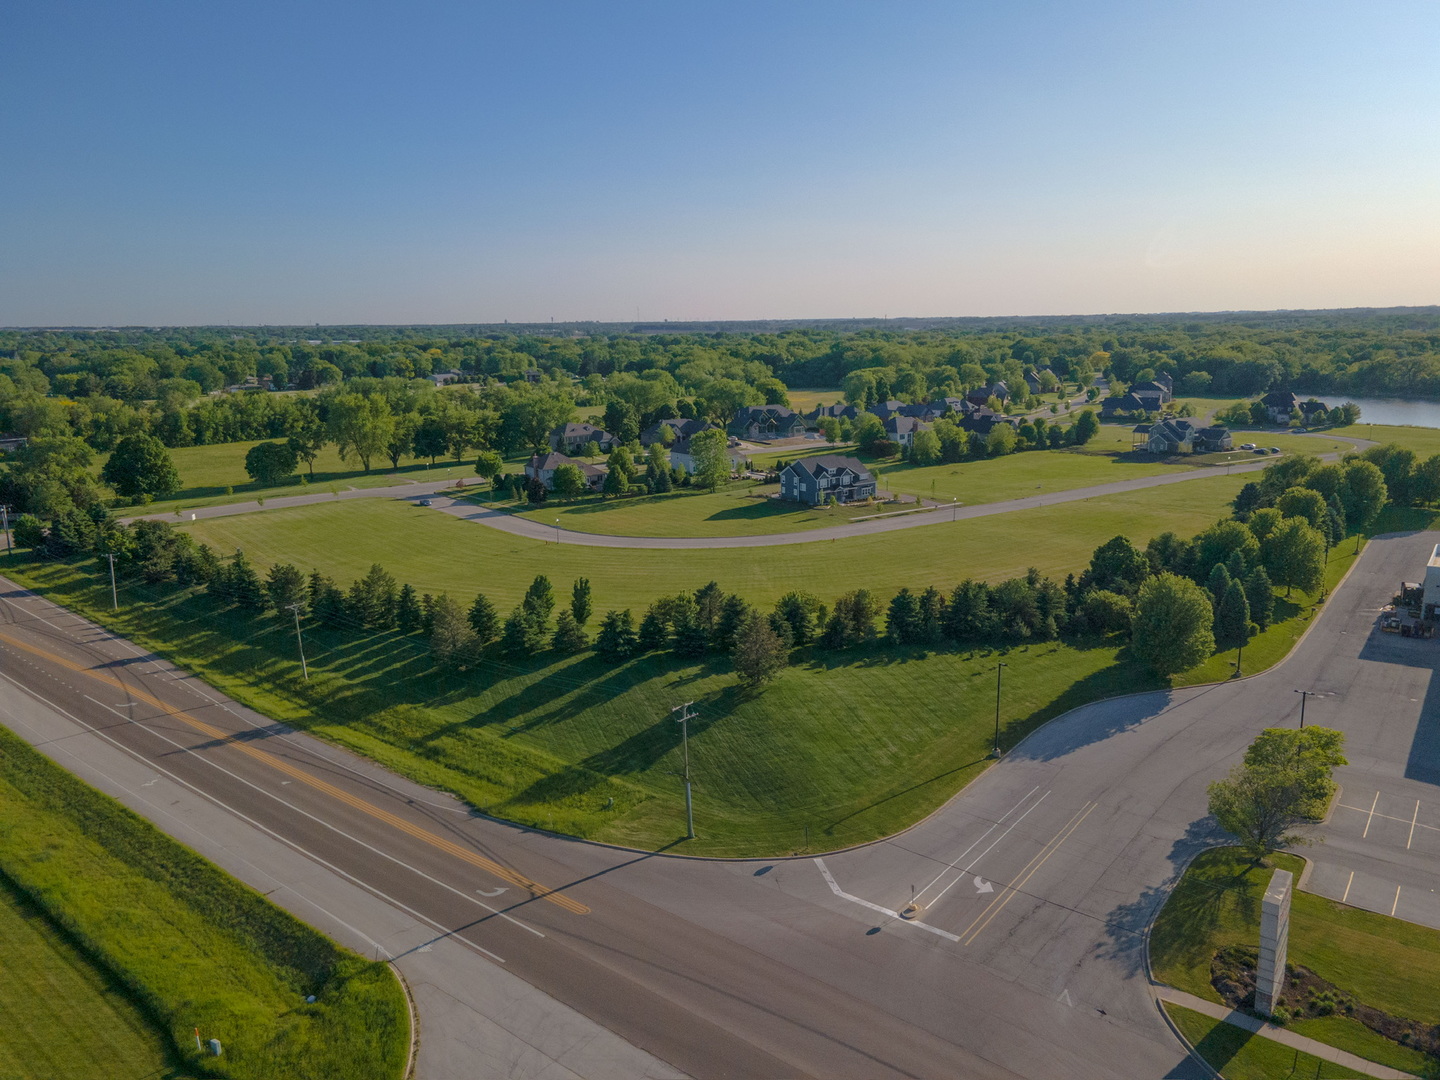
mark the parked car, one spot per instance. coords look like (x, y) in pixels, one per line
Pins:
(1260, 450)
(1248, 446)
(1274, 449)
(425, 502)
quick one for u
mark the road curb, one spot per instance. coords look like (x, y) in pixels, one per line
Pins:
(409, 1071)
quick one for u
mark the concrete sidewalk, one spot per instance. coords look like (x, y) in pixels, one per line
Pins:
(1281, 1035)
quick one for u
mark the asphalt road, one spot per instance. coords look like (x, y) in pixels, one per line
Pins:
(1035, 885)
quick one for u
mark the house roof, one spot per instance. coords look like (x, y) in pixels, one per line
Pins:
(831, 463)
(580, 431)
(899, 425)
(552, 460)
(749, 414)
(1280, 399)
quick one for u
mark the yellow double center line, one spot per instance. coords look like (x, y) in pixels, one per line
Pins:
(354, 801)
(997, 905)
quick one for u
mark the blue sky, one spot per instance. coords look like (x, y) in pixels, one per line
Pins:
(459, 162)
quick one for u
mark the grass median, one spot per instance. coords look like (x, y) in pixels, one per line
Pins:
(183, 944)
(1238, 1054)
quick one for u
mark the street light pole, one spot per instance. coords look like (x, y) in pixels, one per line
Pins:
(557, 532)
(1240, 657)
(999, 669)
(114, 595)
(1303, 695)
(299, 642)
(684, 721)
(954, 507)
(5, 524)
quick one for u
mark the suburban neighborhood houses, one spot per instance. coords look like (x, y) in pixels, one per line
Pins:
(767, 422)
(542, 467)
(572, 438)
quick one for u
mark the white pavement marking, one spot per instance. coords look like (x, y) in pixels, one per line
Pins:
(1396, 904)
(835, 888)
(1414, 819)
(982, 836)
(1348, 882)
(1065, 997)
(1371, 818)
(940, 895)
(983, 886)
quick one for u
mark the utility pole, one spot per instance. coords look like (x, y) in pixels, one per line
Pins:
(686, 715)
(999, 670)
(5, 524)
(557, 532)
(1303, 695)
(114, 595)
(299, 641)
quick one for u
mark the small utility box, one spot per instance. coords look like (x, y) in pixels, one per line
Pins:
(214, 1045)
(1274, 936)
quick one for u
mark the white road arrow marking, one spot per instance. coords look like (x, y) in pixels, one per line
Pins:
(150, 782)
(983, 886)
(491, 892)
(1065, 997)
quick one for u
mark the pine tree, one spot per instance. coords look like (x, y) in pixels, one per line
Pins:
(1260, 595)
(244, 583)
(484, 619)
(522, 635)
(760, 654)
(408, 616)
(616, 640)
(580, 601)
(733, 613)
(539, 602)
(654, 630)
(285, 586)
(568, 637)
(902, 621)
(932, 614)
(1218, 582)
(452, 642)
(1236, 566)
(1232, 617)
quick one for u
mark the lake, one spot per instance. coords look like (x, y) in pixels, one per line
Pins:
(1392, 410)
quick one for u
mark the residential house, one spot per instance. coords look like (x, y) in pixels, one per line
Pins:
(570, 438)
(814, 480)
(1280, 404)
(11, 442)
(833, 412)
(1033, 380)
(680, 428)
(444, 378)
(903, 429)
(542, 467)
(983, 421)
(886, 409)
(765, 422)
(1209, 440)
(681, 454)
(1314, 412)
(1170, 437)
(1155, 386)
(1146, 400)
(982, 394)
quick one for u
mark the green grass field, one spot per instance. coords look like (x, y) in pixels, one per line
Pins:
(1423, 440)
(741, 509)
(581, 746)
(206, 471)
(189, 945)
(1387, 963)
(439, 553)
(62, 1016)
(1236, 1054)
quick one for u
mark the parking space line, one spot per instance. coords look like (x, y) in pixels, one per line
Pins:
(1396, 904)
(1371, 818)
(971, 932)
(1386, 817)
(1412, 824)
(1348, 883)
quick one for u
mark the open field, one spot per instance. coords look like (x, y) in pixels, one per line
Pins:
(1423, 440)
(125, 893)
(583, 746)
(62, 1016)
(1017, 475)
(740, 509)
(439, 553)
(1238, 1055)
(804, 401)
(1387, 963)
(206, 471)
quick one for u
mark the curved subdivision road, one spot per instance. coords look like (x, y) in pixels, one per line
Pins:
(535, 530)
(535, 955)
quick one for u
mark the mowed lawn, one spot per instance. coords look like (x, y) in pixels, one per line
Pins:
(1386, 963)
(62, 1017)
(437, 552)
(1424, 441)
(741, 509)
(1238, 1055)
(206, 472)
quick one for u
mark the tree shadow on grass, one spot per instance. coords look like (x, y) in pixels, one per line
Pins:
(904, 791)
(637, 754)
